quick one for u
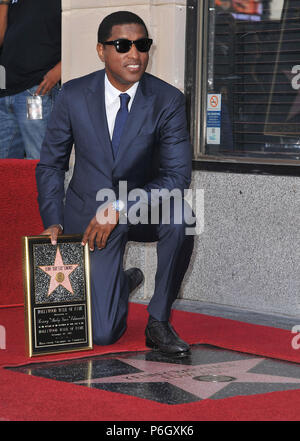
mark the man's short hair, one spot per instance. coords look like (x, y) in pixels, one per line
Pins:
(117, 18)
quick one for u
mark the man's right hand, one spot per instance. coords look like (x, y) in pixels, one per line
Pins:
(53, 231)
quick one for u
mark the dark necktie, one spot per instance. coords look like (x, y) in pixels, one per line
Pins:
(120, 122)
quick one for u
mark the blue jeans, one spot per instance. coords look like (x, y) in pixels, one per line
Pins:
(19, 136)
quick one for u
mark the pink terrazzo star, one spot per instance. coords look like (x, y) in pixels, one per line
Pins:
(59, 273)
(185, 377)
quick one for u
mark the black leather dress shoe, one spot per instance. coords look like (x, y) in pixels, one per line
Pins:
(162, 337)
(135, 278)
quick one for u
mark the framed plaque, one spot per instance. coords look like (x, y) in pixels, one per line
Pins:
(57, 295)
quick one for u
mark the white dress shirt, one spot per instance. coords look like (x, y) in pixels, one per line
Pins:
(112, 102)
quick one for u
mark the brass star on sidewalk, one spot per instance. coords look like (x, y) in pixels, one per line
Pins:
(59, 273)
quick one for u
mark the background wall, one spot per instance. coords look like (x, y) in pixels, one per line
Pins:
(165, 21)
(248, 254)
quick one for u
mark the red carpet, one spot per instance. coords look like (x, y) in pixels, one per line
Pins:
(195, 328)
(41, 399)
(19, 217)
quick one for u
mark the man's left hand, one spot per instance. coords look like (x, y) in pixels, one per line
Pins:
(100, 227)
(50, 79)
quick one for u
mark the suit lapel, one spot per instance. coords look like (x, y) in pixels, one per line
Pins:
(96, 106)
(95, 97)
(143, 100)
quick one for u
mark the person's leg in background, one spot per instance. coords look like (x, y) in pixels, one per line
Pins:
(20, 136)
(33, 130)
(11, 141)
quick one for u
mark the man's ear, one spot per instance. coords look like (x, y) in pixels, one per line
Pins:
(100, 50)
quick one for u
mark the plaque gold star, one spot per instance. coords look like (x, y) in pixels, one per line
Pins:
(59, 273)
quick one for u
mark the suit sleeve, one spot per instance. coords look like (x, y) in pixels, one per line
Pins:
(175, 153)
(54, 162)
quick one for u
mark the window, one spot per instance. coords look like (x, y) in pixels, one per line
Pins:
(244, 89)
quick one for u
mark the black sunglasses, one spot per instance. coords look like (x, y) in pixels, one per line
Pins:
(123, 45)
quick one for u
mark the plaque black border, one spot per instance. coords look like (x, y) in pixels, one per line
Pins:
(29, 296)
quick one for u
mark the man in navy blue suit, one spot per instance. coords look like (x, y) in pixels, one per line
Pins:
(127, 126)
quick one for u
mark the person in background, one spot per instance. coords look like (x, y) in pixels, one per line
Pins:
(30, 53)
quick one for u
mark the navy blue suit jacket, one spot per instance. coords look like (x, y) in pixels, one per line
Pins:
(155, 151)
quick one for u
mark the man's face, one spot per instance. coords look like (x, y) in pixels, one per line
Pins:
(123, 70)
